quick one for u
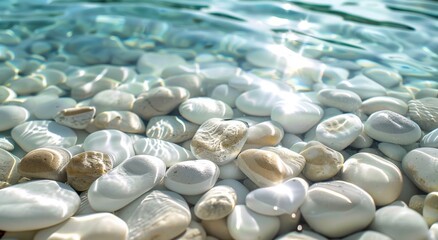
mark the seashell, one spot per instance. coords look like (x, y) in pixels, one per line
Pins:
(424, 112)
(156, 215)
(77, 118)
(219, 140)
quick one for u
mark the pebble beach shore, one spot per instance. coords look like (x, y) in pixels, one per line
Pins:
(117, 126)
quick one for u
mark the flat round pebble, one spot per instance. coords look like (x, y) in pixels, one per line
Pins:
(35, 134)
(268, 133)
(339, 131)
(215, 204)
(124, 121)
(115, 143)
(377, 176)
(259, 102)
(171, 128)
(112, 100)
(344, 100)
(400, 223)
(45, 203)
(156, 215)
(336, 209)
(393, 151)
(191, 177)
(49, 110)
(385, 77)
(99, 226)
(420, 166)
(141, 173)
(297, 117)
(46, 163)
(376, 104)
(159, 101)
(284, 198)
(198, 110)
(12, 116)
(391, 127)
(84, 168)
(219, 141)
(322, 162)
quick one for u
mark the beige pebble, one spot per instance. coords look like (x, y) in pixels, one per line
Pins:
(159, 101)
(430, 209)
(263, 167)
(322, 162)
(8, 168)
(420, 165)
(46, 163)
(294, 161)
(124, 121)
(217, 203)
(77, 118)
(194, 231)
(417, 203)
(376, 175)
(84, 168)
(267, 133)
(217, 228)
(218, 140)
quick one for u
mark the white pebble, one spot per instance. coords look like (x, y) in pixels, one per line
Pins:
(297, 117)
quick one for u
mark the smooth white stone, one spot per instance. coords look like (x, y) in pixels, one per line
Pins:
(52, 90)
(198, 110)
(99, 226)
(284, 198)
(36, 204)
(249, 81)
(420, 166)
(168, 152)
(297, 117)
(11, 116)
(289, 140)
(156, 215)
(219, 141)
(6, 144)
(243, 223)
(430, 139)
(112, 142)
(385, 77)
(219, 73)
(430, 209)
(393, 151)
(27, 85)
(225, 94)
(77, 118)
(35, 134)
(32, 102)
(216, 203)
(344, 100)
(191, 82)
(339, 131)
(52, 76)
(260, 102)
(92, 87)
(400, 223)
(179, 70)
(376, 104)
(6, 94)
(239, 188)
(49, 109)
(388, 126)
(154, 63)
(126, 182)
(362, 86)
(376, 175)
(191, 177)
(230, 170)
(135, 88)
(124, 121)
(433, 232)
(336, 209)
(362, 141)
(171, 128)
(112, 100)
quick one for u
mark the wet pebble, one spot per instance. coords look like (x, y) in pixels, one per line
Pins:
(171, 128)
(385, 77)
(376, 104)
(226, 94)
(154, 63)
(112, 100)
(268, 133)
(124, 121)
(48, 110)
(168, 152)
(198, 110)
(322, 162)
(391, 127)
(216, 203)
(362, 86)
(430, 139)
(344, 100)
(12, 116)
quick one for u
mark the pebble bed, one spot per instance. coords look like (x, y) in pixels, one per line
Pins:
(181, 121)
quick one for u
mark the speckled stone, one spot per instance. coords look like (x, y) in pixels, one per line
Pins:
(84, 168)
(322, 162)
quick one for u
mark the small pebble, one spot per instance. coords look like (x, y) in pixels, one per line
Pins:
(112, 100)
(294, 161)
(98, 226)
(217, 203)
(12, 116)
(268, 133)
(430, 209)
(27, 85)
(417, 203)
(430, 139)
(171, 128)
(391, 127)
(46, 163)
(243, 222)
(84, 168)
(385, 77)
(339, 131)
(322, 162)
(424, 112)
(48, 110)
(400, 223)
(155, 63)
(420, 166)
(77, 118)
(393, 151)
(260, 102)
(8, 169)
(386, 183)
(376, 104)
(198, 110)
(297, 117)
(336, 209)
(344, 100)
(191, 177)
(226, 94)
(219, 141)
(362, 86)
(124, 121)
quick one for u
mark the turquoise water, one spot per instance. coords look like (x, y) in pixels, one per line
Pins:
(349, 34)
